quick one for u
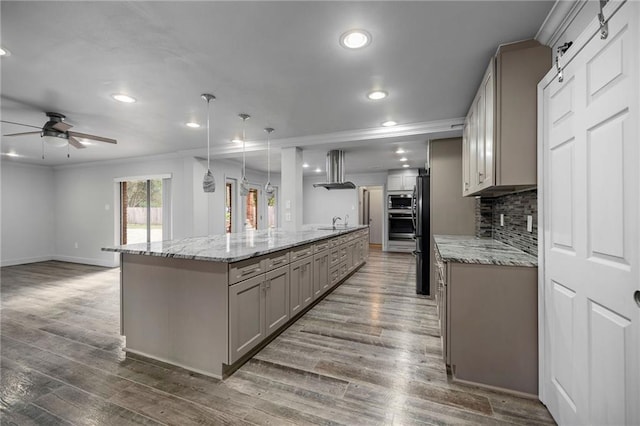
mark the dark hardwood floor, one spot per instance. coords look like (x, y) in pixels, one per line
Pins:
(368, 354)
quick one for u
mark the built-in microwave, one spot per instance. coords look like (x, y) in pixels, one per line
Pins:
(400, 201)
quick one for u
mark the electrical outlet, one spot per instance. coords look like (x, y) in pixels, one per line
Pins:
(529, 223)
(287, 204)
(501, 219)
(76, 245)
(107, 207)
(287, 217)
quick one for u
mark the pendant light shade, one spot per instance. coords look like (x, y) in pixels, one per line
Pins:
(244, 183)
(208, 183)
(268, 188)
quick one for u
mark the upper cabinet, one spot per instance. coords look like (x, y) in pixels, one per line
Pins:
(401, 180)
(499, 136)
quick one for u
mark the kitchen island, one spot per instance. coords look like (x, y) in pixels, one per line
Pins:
(209, 303)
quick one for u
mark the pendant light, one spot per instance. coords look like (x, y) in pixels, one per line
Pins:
(244, 183)
(268, 188)
(208, 183)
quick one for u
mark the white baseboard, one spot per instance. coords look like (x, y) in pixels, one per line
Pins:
(24, 260)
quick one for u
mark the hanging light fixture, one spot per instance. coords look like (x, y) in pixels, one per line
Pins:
(208, 183)
(244, 183)
(268, 188)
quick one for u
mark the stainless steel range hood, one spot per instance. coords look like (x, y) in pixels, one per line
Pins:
(335, 172)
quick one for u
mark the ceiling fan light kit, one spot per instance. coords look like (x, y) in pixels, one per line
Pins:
(209, 182)
(56, 133)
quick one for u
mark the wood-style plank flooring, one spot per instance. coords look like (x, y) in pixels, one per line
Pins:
(368, 354)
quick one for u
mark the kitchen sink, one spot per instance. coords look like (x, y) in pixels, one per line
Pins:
(334, 228)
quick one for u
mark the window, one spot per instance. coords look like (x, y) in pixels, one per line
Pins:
(142, 212)
(272, 209)
(228, 208)
(251, 211)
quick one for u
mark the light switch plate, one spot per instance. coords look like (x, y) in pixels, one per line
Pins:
(529, 223)
(287, 217)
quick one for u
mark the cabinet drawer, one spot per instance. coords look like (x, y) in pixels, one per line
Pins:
(245, 269)
(335, 242)
(300, 252)
(334, 275)
(276, 260)
(334, 256)
(321, 246)
(343, 253)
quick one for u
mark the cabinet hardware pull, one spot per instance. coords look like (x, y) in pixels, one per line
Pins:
(604, 25)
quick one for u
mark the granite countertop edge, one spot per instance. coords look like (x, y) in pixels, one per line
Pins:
(186, 249)
(483, 251)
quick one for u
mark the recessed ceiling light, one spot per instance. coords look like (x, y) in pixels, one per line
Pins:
(318, 170)
(120, 97)
(355, 39)
(305, 165)
(11, 154)
(4, 52)
(192, 124)
(236, 140)
(405, 165)
(389, 123)
(403, 159)
(400, 151)
(376, 95)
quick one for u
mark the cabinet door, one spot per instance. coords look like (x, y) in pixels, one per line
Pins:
(246, 316)
(466, 182)
(409, 181)
(473, 148)
(320, 273)
(485, 116)
(276, 298)
(394, 183)
(301, 285)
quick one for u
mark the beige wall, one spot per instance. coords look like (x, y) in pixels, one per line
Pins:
(451, 213)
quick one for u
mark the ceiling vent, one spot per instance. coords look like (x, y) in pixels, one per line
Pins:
(335, 172)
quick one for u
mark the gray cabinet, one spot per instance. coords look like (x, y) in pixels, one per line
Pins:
(320, 273)
(301, 285)
(499, 137)
(401, 180)
(276, 298)
(246, 316)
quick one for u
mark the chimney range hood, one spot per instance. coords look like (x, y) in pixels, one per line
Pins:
(335, 172)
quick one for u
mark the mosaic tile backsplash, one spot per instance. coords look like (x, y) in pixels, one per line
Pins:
(515, 208)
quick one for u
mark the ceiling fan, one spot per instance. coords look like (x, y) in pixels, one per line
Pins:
(56, 132)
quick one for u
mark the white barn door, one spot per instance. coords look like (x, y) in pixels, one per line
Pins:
(590, 188)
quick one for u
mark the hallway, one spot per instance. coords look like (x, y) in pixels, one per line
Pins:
(369, 353)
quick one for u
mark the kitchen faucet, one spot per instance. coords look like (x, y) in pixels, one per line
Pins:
(334, 220)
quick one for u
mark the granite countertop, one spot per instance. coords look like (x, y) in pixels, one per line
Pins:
(485, 251)
(233, 247)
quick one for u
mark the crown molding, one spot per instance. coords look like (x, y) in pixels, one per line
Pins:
(560, 17)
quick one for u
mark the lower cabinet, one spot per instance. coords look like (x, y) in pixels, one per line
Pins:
(301, 285)
(257, 307)
(321, 281)
(246, 316)
(276, 298)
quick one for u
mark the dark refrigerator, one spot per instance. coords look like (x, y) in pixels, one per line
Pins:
(423, 234)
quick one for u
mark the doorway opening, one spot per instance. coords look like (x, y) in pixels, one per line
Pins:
(371, 212)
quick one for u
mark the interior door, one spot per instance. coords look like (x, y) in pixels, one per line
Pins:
(591, 235)
(376, 215)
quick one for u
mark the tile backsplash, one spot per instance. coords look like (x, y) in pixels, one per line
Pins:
(515, 208)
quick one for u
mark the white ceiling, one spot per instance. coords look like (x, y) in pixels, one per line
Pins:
(278, 61)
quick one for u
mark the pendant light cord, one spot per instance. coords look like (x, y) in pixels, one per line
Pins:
(268, 159)
(243, 148)
(208, 136)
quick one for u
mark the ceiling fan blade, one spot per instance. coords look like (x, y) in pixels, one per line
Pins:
(20, 124)
(22, 134)
(92, 137)
(76, 143)
(62, 127)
